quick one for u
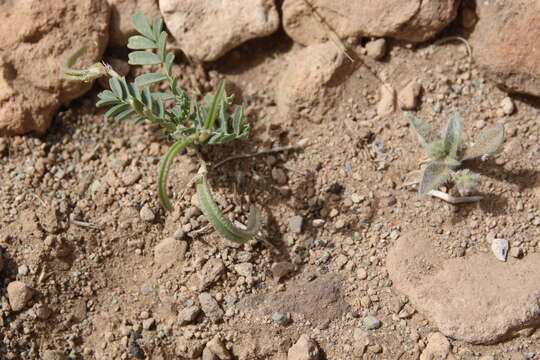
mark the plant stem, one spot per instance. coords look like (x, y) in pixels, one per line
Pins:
(166, 165)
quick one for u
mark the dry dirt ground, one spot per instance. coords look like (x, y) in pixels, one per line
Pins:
(81, 226)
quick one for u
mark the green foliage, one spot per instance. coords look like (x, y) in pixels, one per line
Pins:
(445, 154)
(184, 122)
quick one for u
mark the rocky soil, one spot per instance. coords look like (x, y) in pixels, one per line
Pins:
(350, 264)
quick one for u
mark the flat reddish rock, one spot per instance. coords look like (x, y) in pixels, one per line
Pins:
(476, 298)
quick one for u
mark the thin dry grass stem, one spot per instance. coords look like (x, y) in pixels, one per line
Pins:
(457, 38)
(76, 222)
(332, 35)
(300, 145)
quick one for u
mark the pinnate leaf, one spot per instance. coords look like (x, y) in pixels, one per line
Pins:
(143, 58)
(138, 42)
(117, 88)
(150, 78)
(124, 114)
(116, 109)
(157, 26)
(140, 22)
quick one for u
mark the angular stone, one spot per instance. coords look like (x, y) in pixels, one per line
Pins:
(211, 272)
(409, 96)
(18, 295)
(376, 48)
(210, 307)
(304, 349)
(474, 298)
(188, 315)
(206, 29)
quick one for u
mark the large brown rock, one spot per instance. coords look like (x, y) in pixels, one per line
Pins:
(410, 20)
(206, 29)
(476, 298)
(121, 27)
(37, 36)
(505, 43)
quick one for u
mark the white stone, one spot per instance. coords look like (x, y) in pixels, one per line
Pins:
(500, 248)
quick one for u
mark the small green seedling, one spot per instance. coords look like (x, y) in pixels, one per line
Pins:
(446, 154)
(186, 123)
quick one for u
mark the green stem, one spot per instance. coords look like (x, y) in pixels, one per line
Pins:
(165, 167)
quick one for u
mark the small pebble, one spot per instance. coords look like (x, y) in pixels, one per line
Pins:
(147, 214)
(279, 318)
(516, 252)
(376, 49)
(361, 273)
(279, 176)
(409, 96)
(18, 295)
(295, 224)
(23, 270)
(480, 124)
(386, 104)
(371, 323)
(507, 106)
(500, 248)
(148, 323)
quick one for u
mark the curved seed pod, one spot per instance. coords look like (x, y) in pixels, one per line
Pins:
(220, 222)
(164, 171)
